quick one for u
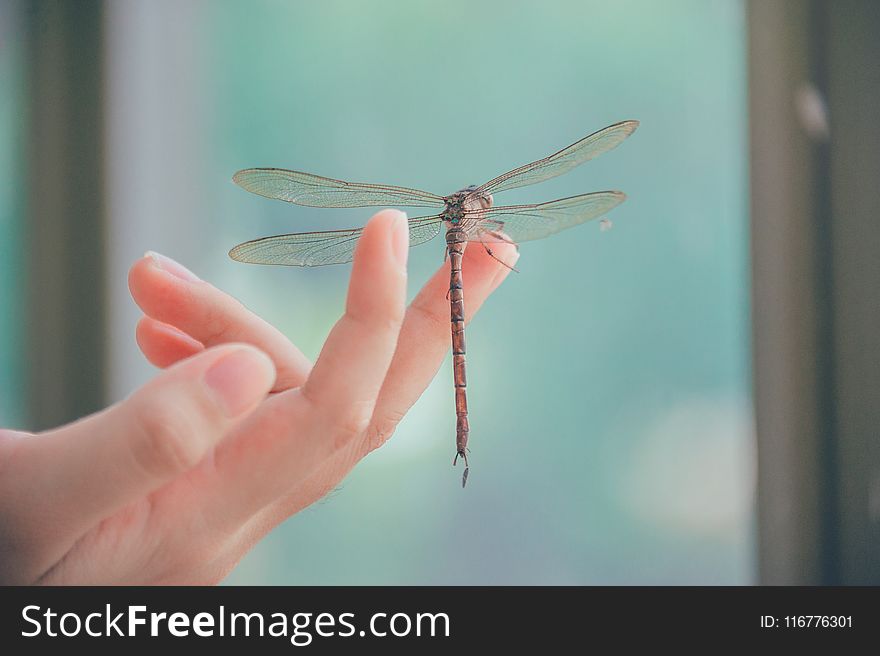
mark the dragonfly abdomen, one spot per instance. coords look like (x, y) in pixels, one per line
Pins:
(456, 238)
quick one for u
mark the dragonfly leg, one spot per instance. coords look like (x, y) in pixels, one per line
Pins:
(498, 259)
(445, 255)
(500, 234)
(463, 456)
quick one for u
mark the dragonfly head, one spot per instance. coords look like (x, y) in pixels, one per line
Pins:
(463, 203)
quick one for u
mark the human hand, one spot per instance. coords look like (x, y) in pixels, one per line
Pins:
(176, 483)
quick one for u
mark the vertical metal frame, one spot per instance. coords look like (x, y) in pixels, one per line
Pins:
(65, 210)
(816, 288)
(852, 29)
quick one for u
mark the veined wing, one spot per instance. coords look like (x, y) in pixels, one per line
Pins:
(320, 248)
(563, 161)
(317, 191)
(520, 223)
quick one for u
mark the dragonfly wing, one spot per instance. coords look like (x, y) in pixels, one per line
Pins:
(520, 223)
(320, 248)
(563, 161)
(317, 191)
(423, 228)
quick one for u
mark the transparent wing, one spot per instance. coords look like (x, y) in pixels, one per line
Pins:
(317, 191)
(520, 223)
(563, 161)
(320, 248)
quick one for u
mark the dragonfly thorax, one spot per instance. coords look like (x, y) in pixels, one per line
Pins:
(464, 202)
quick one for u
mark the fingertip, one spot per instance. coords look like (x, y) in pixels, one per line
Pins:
(386, 235)
(148, 284)
(155, 278)
(143, 334)
(494, 265)
(378, 279)
(400, 239)
(136, 273)
(168, 265)
(508, 255)
(387, 217)
(162, 344)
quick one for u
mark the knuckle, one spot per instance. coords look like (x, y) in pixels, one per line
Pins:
(380, 319)
(215, 326)
(375, 437)
(381, 430)
(350, 428)
(393, 321)
(167, 442)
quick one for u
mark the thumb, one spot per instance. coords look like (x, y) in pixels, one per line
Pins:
(111, 459)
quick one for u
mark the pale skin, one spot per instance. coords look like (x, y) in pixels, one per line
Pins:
(239, 431)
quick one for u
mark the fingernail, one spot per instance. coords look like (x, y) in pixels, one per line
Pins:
(400, 239)
(240, 379)
(165, 263)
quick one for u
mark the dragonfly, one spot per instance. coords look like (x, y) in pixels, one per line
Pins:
(468, 215)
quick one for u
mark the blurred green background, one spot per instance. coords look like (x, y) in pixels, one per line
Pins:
(611, 415)
(12, 412)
